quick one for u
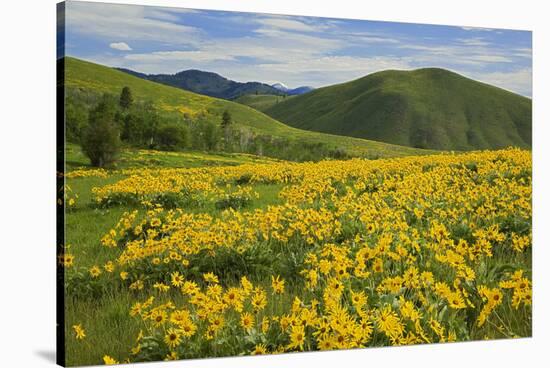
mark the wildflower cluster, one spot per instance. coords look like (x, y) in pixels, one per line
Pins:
(357, 253)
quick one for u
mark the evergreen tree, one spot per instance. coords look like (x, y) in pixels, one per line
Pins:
(226, 119)
(126, 98)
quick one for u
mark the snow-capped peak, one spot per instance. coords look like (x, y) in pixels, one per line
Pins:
(280, 86)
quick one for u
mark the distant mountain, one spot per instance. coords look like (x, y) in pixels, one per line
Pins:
(207, 83)
(134, 73)
(292, 91)
(425, 108)
(280, 87)
(300, 90)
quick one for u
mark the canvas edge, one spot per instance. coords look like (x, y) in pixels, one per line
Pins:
(60, 181)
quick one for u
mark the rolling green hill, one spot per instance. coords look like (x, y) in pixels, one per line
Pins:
(427, 108)
(97, 78)
(261, 102)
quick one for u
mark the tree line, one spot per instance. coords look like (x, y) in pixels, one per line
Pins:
(103, 124)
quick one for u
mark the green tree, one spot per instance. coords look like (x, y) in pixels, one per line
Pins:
(173, 136)
(152, 122)
(126, 98)
(210, 133)
(134, 128)
(76, 119)
(101, 141)
(226, 119)
(226, 125)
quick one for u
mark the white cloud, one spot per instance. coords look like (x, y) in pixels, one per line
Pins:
(366, 38)
(296, 59)
(169, 14)
(480, 29)
(114, 22)
(281, 22)
(517, 81)
(474, 41)
(288, 24)
(328, 70)
(525, 52)
(122, 46)
(460, 53)
(178, 56)
(269, 46)
(488, 58)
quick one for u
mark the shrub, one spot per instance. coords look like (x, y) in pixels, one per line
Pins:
(233, 201)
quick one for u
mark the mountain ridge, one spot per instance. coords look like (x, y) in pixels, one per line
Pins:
(292, 91)
(213, 84)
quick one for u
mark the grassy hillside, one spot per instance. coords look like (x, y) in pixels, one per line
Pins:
(101, 79)
(261, 102)
(428, 108)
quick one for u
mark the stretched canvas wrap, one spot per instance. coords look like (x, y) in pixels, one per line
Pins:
(241, 184)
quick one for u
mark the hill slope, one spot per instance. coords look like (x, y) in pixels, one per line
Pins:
(207, 83)
(261, 102)
(428, 108)
(97, 78)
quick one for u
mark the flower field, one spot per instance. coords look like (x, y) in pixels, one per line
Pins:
(277, 257)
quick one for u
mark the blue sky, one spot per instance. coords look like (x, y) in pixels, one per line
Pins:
(293, 50)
